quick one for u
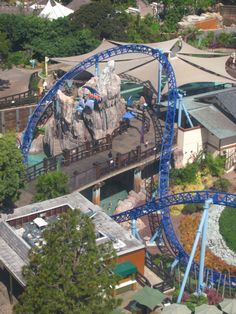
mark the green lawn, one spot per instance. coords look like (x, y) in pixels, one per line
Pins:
(228, 227)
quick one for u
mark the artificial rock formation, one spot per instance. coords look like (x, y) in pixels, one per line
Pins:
(94, 112)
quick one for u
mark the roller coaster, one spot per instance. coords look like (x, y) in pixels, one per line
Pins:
(164, 201)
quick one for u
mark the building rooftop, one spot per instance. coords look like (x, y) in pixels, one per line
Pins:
(214, 121)
(224, 100)
(14, 249)
(214, 110)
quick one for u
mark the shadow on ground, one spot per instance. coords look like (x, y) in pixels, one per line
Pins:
(4, 84)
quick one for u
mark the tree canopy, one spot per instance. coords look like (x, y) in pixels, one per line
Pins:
(12, 170)
(69, 274)
(50, 185)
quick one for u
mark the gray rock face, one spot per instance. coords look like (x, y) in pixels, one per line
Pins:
(94, 112)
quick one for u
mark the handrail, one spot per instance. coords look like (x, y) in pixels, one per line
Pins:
(75, 154)
(230, 161)
(23, 98)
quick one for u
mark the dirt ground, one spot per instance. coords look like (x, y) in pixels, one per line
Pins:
(231, 176)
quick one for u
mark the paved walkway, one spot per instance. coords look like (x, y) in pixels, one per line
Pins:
(14, 81)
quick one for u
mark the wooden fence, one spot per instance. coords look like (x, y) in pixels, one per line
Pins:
(69, 156)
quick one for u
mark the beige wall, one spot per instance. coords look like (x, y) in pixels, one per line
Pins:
(213, 143)
(191, 142)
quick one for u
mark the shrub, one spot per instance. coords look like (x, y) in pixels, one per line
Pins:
(191, 208)
(18, 57)
(215, 165)
(186, 175)
(221, 184)
(213, 296)
(185, 296)
(50, 185)
(194, 301)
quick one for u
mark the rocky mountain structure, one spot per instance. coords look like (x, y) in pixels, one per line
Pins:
(93, 111)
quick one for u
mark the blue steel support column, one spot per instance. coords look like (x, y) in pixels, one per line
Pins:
(182, 106)
(199, 231)
(203, 247)
(134, 229)
(179, 112)
(159, 82)
(187, 114)
(174, 264)
(96, 67)
(156, 235)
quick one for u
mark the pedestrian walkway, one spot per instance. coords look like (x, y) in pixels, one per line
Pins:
(14, 81)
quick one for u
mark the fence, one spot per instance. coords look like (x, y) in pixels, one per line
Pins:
(78, 153)
(230, 161)
(24, 98)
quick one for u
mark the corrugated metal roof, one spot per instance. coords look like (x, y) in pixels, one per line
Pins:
(214, 121)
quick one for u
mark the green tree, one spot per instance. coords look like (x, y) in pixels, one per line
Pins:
(185, 175)
(221, 184)
(215, 165)
(225, 39)
(50, 185)
(69, 274)
(4, 51)
(12, 170)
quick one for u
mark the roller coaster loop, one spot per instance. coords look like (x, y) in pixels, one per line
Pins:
(164, 166)
(161, 206)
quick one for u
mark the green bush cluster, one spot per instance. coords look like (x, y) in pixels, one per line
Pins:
(193, 301)
(191, 208)
(185, 175)
(221, 184)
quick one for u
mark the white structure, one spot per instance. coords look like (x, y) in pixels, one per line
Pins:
(54, 12)
(214, 130)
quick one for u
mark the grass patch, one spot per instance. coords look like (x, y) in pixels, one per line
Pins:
(227, 224)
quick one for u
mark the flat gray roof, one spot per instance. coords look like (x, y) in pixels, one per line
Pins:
(13, 249)
(214, 121)
(200, 107)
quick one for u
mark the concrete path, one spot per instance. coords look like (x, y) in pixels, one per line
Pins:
(14, 81)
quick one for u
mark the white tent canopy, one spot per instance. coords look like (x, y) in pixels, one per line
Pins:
(165, 46)
(188, 49)
(74, 60)
(56, 11)
(144, 68)
(186, 73)
(216, 65)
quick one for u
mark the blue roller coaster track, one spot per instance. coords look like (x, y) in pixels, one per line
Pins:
(164, 201)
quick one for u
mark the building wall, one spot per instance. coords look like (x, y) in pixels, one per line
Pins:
(15, 119)
(213, 143)
(229, 14)
(191, 142)
(136, 257)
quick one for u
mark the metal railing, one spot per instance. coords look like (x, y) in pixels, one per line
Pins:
(21, 99)
(230, 161)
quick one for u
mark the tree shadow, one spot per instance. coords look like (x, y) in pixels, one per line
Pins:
(4, 84)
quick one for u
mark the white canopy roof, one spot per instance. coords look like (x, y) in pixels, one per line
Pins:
(165, 46)
(145, 68)
(186, 73)
(214, 64)
(188, 49)
(105, 44)
(56, 11)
